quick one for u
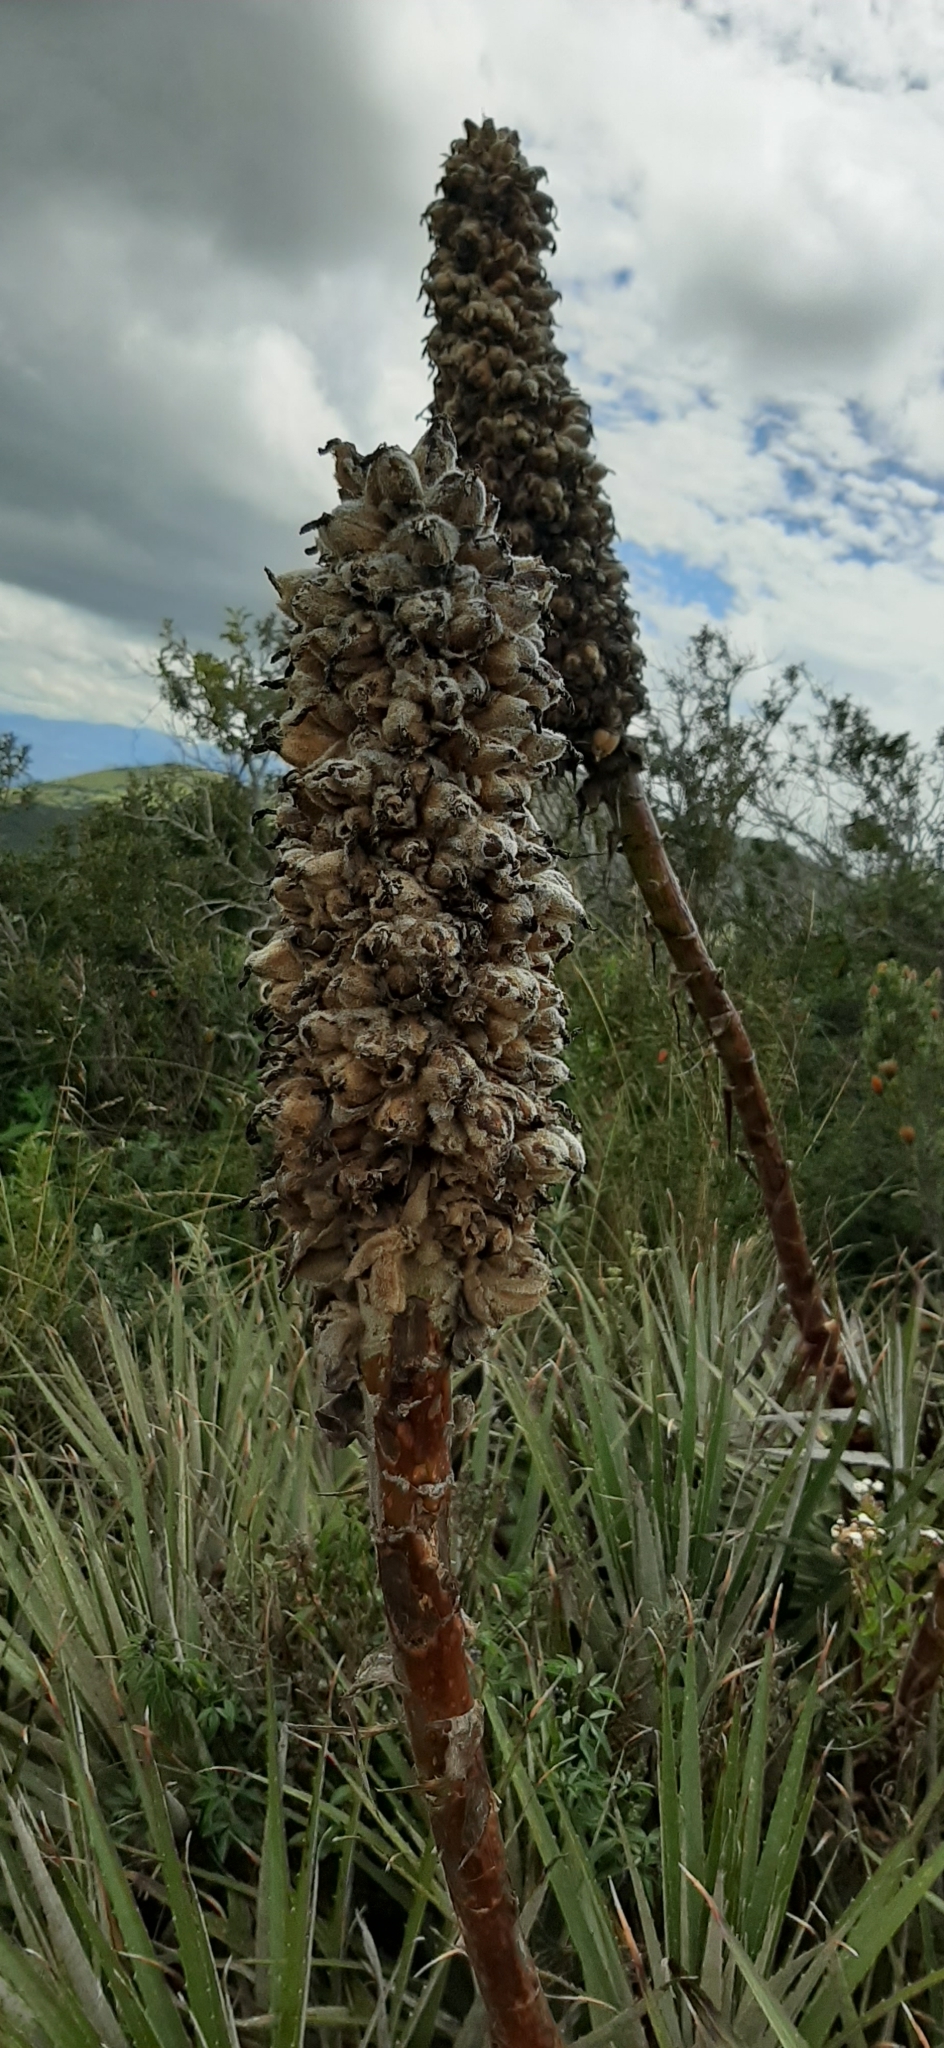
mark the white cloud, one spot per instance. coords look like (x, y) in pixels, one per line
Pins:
(60, 662)
(867, 43)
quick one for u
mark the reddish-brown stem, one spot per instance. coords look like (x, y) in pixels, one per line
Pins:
(410, 1408)
(662, 894)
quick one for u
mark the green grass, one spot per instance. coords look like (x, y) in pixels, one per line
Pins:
(687, 1703)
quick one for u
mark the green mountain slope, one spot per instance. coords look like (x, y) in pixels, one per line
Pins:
(52, 805)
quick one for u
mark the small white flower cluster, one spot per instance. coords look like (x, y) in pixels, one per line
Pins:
(863, 1530)
(858, 1535)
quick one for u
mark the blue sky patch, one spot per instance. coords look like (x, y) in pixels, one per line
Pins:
(61, 747)
(799, 482)
(662, 574)
(768, 424)
(629, 404)
(794, 522)
(637, 405)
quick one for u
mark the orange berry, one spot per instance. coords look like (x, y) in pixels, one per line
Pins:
(873, 991)
(878, 1085)
(935, 1013)
(661, 1057)
(907, 1134)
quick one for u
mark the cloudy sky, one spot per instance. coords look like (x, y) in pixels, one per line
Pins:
(210, 249)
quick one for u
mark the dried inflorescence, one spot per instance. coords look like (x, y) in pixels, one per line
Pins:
(414, 1027)
(502, 382)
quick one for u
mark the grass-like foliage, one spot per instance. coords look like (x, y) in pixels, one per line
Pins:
(719, 1827)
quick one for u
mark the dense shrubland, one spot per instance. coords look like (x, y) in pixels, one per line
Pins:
(699, 1613)
(128, 1051)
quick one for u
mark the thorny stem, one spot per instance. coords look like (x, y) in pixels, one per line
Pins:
(662, 894)
(409, 1404)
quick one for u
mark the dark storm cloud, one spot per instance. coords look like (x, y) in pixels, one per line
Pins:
(249, 118)
(181, 179)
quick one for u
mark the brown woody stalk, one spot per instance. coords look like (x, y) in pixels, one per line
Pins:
(662, 894)
(413, 1034)
(501, 379)
(407, 1384)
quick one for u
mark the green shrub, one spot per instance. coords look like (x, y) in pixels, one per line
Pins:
(121, 948)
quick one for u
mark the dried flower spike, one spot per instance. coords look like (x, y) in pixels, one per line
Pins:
(502, 381)
(414, 1025)
(413, 1034)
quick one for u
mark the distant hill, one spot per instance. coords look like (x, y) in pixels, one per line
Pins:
(61, 747)
(58, 804)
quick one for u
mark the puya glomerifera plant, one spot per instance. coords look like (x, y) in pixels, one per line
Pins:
(414, 1034)
(502, 381)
